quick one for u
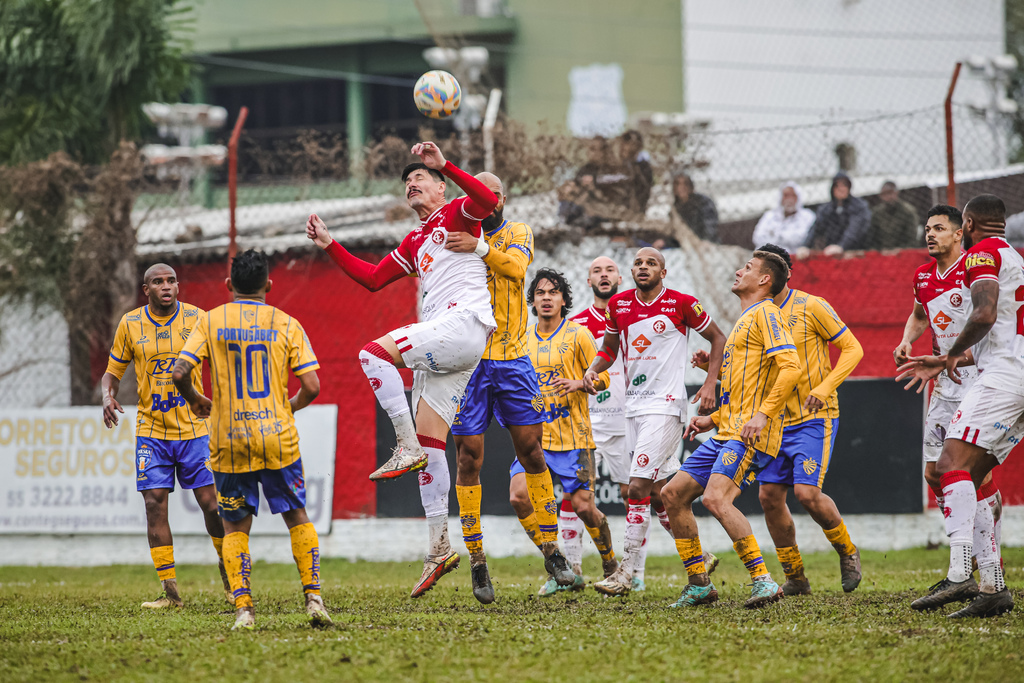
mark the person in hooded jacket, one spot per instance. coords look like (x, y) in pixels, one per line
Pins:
(843, 223)
(788, 223)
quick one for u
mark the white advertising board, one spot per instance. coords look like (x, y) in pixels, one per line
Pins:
(63, 472)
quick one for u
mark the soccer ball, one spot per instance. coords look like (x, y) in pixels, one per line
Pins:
(437, 94)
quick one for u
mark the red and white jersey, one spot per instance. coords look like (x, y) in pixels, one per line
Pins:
(652, 343)
(448, 279)
(1000, 354)
(947, 303)
(607, 408)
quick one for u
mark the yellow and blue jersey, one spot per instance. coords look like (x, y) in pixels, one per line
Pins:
(510, 254)
(251, 347)
(759, 346)
(566, 352)
(814, 325)
(153, 344)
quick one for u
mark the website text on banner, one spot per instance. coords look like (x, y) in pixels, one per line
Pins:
(62, 471)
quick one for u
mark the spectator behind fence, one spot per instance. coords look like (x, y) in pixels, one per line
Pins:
(693, 210)
(841, 224)
(788, 223)
(608, 188)
(893, 222)
(637, 164)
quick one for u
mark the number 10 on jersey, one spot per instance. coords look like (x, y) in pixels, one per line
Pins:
(256, 362)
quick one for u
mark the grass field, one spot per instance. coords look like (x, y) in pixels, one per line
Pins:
(85, 624)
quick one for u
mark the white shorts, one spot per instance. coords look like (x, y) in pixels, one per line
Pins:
(442, 354)
(613, 453)
(989, 418)
(655, 444)
(940, 412)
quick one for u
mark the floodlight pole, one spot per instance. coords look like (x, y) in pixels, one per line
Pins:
(233, 182)
(950, 165)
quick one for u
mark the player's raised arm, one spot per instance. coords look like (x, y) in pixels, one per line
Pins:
(481, 199)
(372, 277)
(917, 324)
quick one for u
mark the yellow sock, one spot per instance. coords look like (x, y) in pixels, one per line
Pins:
(792, 562)
(218, 545)
(542, 495)
(840, 539)
(603, 545)
(238, 565)
(306, 551)
(469, 514)
(750, 555)
(531, 528)
(692, 555)
(163, 560)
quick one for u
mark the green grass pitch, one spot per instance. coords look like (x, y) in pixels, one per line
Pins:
(60, 624)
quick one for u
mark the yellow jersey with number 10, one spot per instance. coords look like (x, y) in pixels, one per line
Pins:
(251, 347)
(153, 343)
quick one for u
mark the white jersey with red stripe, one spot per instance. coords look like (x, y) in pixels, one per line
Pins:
(947, 303)
(1000, 353)
(652, 343)
(449, 280)
(607, 408)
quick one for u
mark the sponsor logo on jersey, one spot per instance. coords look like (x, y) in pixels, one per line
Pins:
(980, 259)
(942, 321)
(437, 236)
(163, 334)
(505, 337)
(639, 379)
(143, 340)
(697, 308)
(955, 300)
(249, 316)
(135, 318)
(668, 301)
(922, 276)
(191, 312)
(659, 326)
(956, 418)
(426, 262)
(641, 344)
(243, 415)
(801, 300)
(729, 457)
(143, 457)
(161, 364)
(809, 467)
(642, 460)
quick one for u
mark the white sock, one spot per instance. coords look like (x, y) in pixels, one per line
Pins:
(995, 501)
(434, 482)
(389, 389)
(986, 548)
(960, 504)
(572, 534)
(640, 567)
(638, 522)
(663, 520)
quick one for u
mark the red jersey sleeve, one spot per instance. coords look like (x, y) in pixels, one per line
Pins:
(693, 314)
(370, 276)
(405, 255)
(982, 265)
(612, 325)
(918, 280)
(460, 219)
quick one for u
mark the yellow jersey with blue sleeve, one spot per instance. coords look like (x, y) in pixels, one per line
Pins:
(814, 325)
(566, 352)
(251, 347)
(510, 253)
(759, 370)
(152, 343)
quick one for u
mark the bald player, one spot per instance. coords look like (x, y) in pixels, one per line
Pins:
(504, 385)
(170, 440)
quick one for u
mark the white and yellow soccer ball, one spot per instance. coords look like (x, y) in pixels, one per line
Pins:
(437, 94)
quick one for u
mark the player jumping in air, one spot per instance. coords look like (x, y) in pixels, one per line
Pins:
(169, 438)
(250, 347)
(443, 350)
(503, 385)
(650, 324)
(561, 352)
(986, 425)
(761, 370)
(608, 422)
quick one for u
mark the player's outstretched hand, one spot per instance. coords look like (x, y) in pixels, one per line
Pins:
(902, 353)
(110, 410)
(590, 380)
(566, 386)
(707, 398)
(201, 407)
(430, 154)
(920, 370)
(700, 359)
(461, 242)
(316, 230)
(698, 425)
(752, 429)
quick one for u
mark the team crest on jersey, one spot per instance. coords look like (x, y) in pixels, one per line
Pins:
(729, 457)
(642, 460)
(956, 418)
(792, 320)
(185, 331)
(437, 236)
(505, 337)
(563, 347)
(809, 467)
(537, 402)
(208, 465)
(641, 344)
(375, 383)
(942, 321)
(249, 316)
(659, 326)
(982, 258)
(955, 300)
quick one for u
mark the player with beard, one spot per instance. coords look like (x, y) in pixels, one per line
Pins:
(504, 385)
(653, 323)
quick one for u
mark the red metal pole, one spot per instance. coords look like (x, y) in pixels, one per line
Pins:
(950, 181)
(233, 182)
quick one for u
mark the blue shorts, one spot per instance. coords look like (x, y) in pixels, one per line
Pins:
(733, 458)
(804, 455)
(507, 389)
(238, 496)
(157, 461)
(574, 469)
